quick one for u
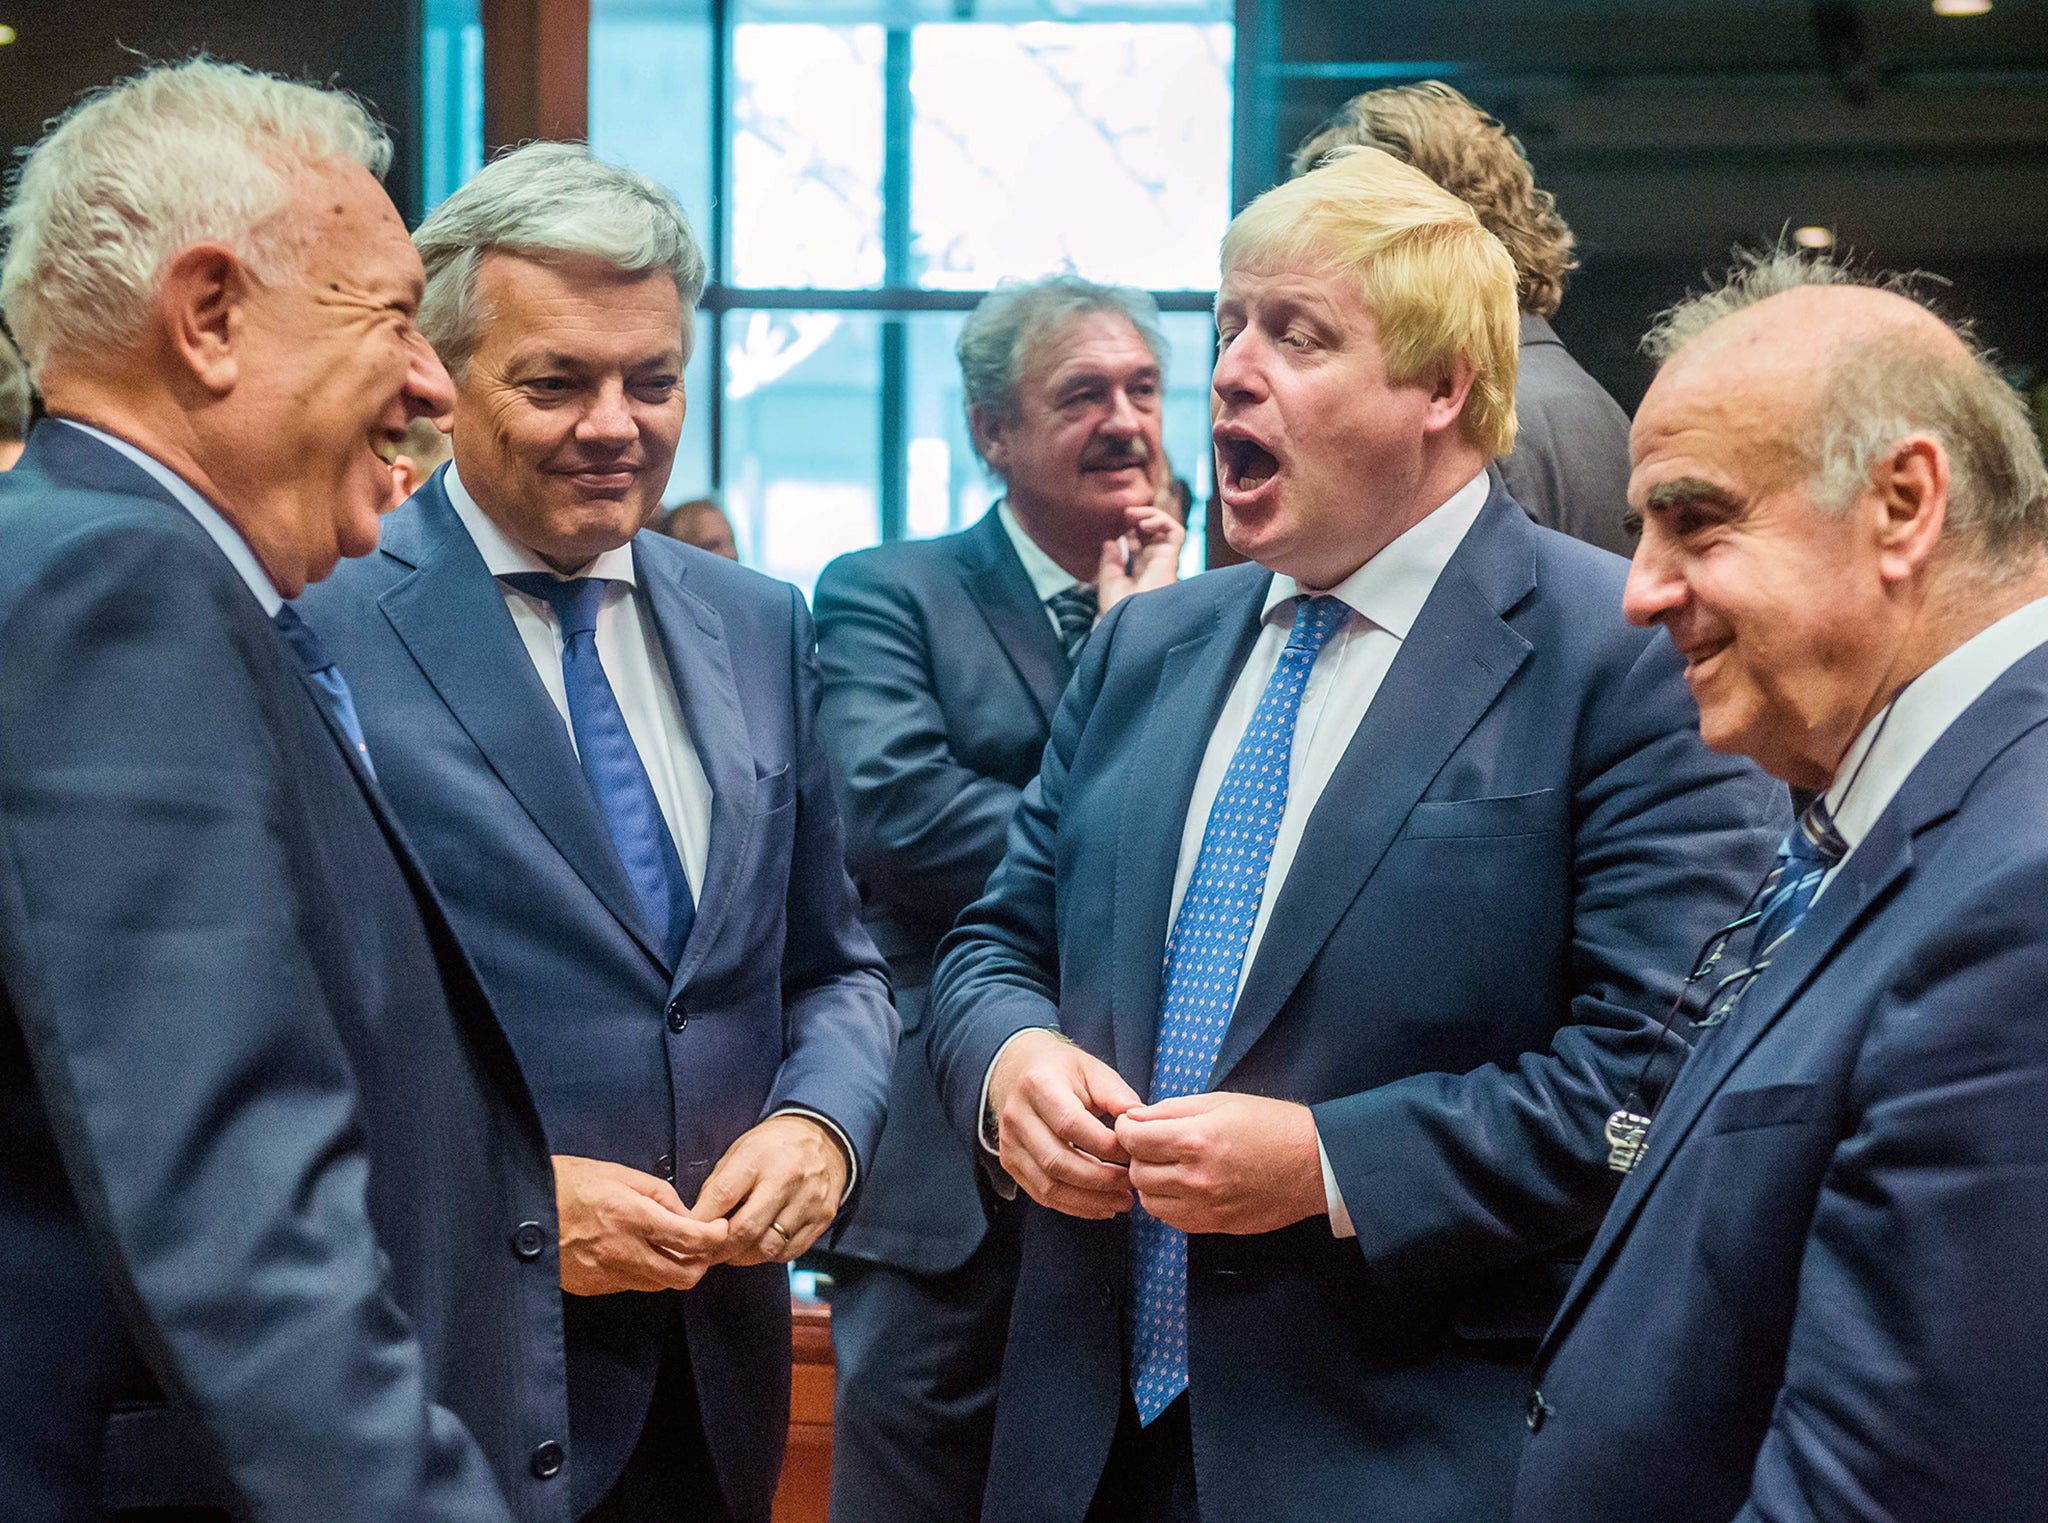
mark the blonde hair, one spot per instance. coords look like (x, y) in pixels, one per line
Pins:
(1438, 284)
(141, 170)
(1476, 159)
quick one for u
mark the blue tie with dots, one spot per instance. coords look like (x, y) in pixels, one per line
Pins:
(611, 762)
(1204, 954)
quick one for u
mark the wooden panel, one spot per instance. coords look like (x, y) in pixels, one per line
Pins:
(536, 71)
(806, 1490)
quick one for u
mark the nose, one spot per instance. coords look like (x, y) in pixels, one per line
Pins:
(428, 391)
(1654, 590)
(1237, 377)
(608, 421)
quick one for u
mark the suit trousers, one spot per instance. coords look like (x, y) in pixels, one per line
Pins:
(1150, 1475)
(668, 1478)
(914, 1415)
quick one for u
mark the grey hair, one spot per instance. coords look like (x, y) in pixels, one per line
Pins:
(996, 342)
(548, 201)
(1880, 392)
(143, 169)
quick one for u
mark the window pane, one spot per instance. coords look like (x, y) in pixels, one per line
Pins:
(946, 487)
(806, 197)
(452, 93)
(802, 438)
(1104, 148)
(650, 96)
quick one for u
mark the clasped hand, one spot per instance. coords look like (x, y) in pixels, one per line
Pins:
(775, 1190)
(1078, 1140)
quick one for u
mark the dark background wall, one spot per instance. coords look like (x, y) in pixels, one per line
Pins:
(368, 46)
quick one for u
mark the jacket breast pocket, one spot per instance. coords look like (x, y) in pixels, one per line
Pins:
(1747, 1110)
(775, 790)
(1516, 814)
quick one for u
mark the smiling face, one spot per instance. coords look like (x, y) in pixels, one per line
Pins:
(1321, 459)
(1083, 445)
(1778, 604)
(567, 418)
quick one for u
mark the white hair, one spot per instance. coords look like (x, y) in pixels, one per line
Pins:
(548, 201)
(139, 171)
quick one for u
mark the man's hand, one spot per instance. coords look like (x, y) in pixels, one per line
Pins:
(775, 1190)
(624, 1230)
(1145, 556)
(1224, 1162)
(1049, 1097)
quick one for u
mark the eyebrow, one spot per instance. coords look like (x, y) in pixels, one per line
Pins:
(1691, 492)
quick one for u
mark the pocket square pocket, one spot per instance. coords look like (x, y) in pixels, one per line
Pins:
(1516, 814)
(773, 791)
(1744, 1110)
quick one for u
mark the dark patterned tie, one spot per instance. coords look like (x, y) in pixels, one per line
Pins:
(1808, 853)
(1075, 610)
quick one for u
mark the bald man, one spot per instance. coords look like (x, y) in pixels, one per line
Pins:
(1818, 1294)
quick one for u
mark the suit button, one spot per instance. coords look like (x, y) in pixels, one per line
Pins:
(678, 1017)
(665, 1166)
(528, 1240)
(547, 1461)
(1539, 1409)
(1108, 1294)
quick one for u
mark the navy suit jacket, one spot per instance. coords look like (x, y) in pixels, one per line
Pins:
(276, 1213)
(779, 998)
(941, 674)
(1820, 1295)
(1466, 965)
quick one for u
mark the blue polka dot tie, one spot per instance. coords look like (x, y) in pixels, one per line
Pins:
(1204, 953)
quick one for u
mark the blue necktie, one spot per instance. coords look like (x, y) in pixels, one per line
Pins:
(1204, 954)
(1809, 851)
(325, 674)
(611, 763)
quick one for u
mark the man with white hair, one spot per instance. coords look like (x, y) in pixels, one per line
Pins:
(1820, 1293)
(604, 743)
(276, 1230)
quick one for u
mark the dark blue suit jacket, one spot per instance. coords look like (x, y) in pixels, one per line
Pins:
(1821, 1294)
(265, 1155)
(779, 998)
(1465, 966)
(941, 675)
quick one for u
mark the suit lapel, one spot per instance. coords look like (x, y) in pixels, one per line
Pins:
(452, 618)
(700, 666)
(1194, 682)
(1003, 592)
(1454, 663)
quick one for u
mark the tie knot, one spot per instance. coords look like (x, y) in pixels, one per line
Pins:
(298, 634)
(1813, 840)
(1315, 620)
(575, 601)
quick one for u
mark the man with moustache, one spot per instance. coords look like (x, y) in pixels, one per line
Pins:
(1339, 918)
(943, 661)
(604, 744)
(1818, 1295)
(277, 1230)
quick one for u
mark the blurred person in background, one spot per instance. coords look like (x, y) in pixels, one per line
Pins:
(1569, 466)
(702, 522)
(421, 452)
(14, 403)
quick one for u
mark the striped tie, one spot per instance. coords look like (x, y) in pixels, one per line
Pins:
(1075, 610)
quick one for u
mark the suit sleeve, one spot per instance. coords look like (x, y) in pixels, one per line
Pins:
(1917, 1371)
(186, 1049)
(999, 968)
(923, 831)
(1447, 1175)
(840, 1026)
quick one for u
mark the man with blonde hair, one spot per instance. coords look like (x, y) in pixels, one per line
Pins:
(1315, 967)
(1569, 466)
(277, 1227)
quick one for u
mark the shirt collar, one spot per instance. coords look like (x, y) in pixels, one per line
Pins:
(1390, 589)
(504, 555)
(1894, 742)
(218, 529)
(1048, 577)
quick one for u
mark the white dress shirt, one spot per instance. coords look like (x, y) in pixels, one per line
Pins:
(223, 533)
(1894, 743)
(630, 652)
(1048, 577)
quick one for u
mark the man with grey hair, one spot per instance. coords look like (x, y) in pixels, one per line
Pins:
(605, 745)
(14, 404)
(276, 1218)
(1819, 1292)
(943, 662)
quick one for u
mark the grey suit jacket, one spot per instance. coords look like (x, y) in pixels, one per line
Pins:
(1569, 466)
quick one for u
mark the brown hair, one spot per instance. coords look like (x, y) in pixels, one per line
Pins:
(1472, 156)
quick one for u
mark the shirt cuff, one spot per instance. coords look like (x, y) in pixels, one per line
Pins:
(1333, 1198)
(846, 1146)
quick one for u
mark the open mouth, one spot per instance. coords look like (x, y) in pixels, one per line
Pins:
(1245, 465)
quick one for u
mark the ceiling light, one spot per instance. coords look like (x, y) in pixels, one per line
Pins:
(6, 34)
(1961, 7)
(1814, 237)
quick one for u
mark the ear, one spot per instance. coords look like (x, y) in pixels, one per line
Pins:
(202, 306)
(1448, 390)
(1909, 492)
(987, 429)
